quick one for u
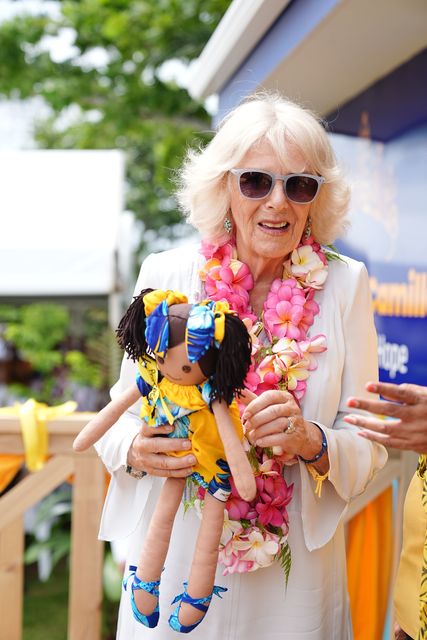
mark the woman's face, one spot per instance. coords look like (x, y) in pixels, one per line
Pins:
(271, 227)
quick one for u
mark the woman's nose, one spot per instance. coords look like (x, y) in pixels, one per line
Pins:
(277, 197)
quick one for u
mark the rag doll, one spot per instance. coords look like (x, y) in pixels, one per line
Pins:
(192, 360)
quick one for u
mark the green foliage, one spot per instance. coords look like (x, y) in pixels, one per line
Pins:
(111, 578)
(8, 313)
(45, 606)
(124, 102)
(82, 370)
(41, 335)
(41, 327)
(285, 559)
(332, 253)
(253, 459)
(55, 508)
(58, 543)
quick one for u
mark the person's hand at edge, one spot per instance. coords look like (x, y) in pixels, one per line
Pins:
(406, 404)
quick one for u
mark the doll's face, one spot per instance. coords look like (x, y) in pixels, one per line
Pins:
(176, 367)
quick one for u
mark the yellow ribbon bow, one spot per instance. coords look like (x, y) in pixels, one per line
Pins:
(33, 416)
(150, 374)
(219, 309)
(154, 298)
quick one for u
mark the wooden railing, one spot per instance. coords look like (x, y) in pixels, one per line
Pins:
(85, 586)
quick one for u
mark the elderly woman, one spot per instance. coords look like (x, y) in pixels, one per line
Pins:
(266, 195)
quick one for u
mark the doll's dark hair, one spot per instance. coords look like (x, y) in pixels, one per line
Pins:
(131, 330)
(227, 366)
(234, 360)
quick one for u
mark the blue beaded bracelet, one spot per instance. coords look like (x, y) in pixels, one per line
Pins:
(322, 450)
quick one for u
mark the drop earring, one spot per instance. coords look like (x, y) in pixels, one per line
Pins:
(307, 230)
(228, 225)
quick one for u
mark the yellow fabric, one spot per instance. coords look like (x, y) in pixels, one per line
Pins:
(219, 327)
(150, 374)
(369, 560)
(206, 443)
(33, 416)
(187, 396)
(318, 479)
(153, 299)
(219, 309)
(422, 631)
(408, 580)
(10, 464)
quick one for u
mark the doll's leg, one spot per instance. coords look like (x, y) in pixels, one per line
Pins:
(203, 568)
(156, 543)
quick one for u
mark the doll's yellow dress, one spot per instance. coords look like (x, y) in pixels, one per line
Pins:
(187, 408)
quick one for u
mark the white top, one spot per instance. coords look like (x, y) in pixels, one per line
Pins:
(314, 605)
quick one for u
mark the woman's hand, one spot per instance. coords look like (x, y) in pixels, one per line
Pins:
(274, 419)
(148, 452)
(407, 405)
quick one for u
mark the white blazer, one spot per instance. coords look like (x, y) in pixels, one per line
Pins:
(315, 604)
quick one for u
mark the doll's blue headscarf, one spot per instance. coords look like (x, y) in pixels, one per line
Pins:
(205, 325)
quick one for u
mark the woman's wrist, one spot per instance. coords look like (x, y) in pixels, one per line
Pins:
(317, 445)
(134, 473)
(133, 463)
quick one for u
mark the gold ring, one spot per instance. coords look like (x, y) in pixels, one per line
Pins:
(290, 427)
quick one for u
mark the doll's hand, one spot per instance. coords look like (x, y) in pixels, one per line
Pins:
(148, 452)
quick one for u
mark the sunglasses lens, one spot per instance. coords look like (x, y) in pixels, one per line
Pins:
(255, 184)
(301, 189)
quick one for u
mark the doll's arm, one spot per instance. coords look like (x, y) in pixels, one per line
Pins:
(236, 457)
(105, 419)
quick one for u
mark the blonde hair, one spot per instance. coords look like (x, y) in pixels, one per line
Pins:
(203, 193)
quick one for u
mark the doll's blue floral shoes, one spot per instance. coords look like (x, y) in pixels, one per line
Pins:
(150, 587)
(199, 603)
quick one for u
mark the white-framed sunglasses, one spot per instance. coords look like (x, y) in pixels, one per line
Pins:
(255, 184)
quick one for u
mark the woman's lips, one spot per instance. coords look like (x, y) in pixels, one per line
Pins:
(274, 227)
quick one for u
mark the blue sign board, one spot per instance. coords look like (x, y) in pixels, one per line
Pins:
(389, 233)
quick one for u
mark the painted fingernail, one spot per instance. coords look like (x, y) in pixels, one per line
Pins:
(186, 444)
(350, 418)
(352, 402)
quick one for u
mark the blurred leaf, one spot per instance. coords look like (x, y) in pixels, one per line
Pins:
(112, 578)
(8, 313)
(82, 370)
(58, 544)
(38, 330)
(41, 334)
(56, 503)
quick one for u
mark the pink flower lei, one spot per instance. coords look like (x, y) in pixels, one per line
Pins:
(255, 534)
